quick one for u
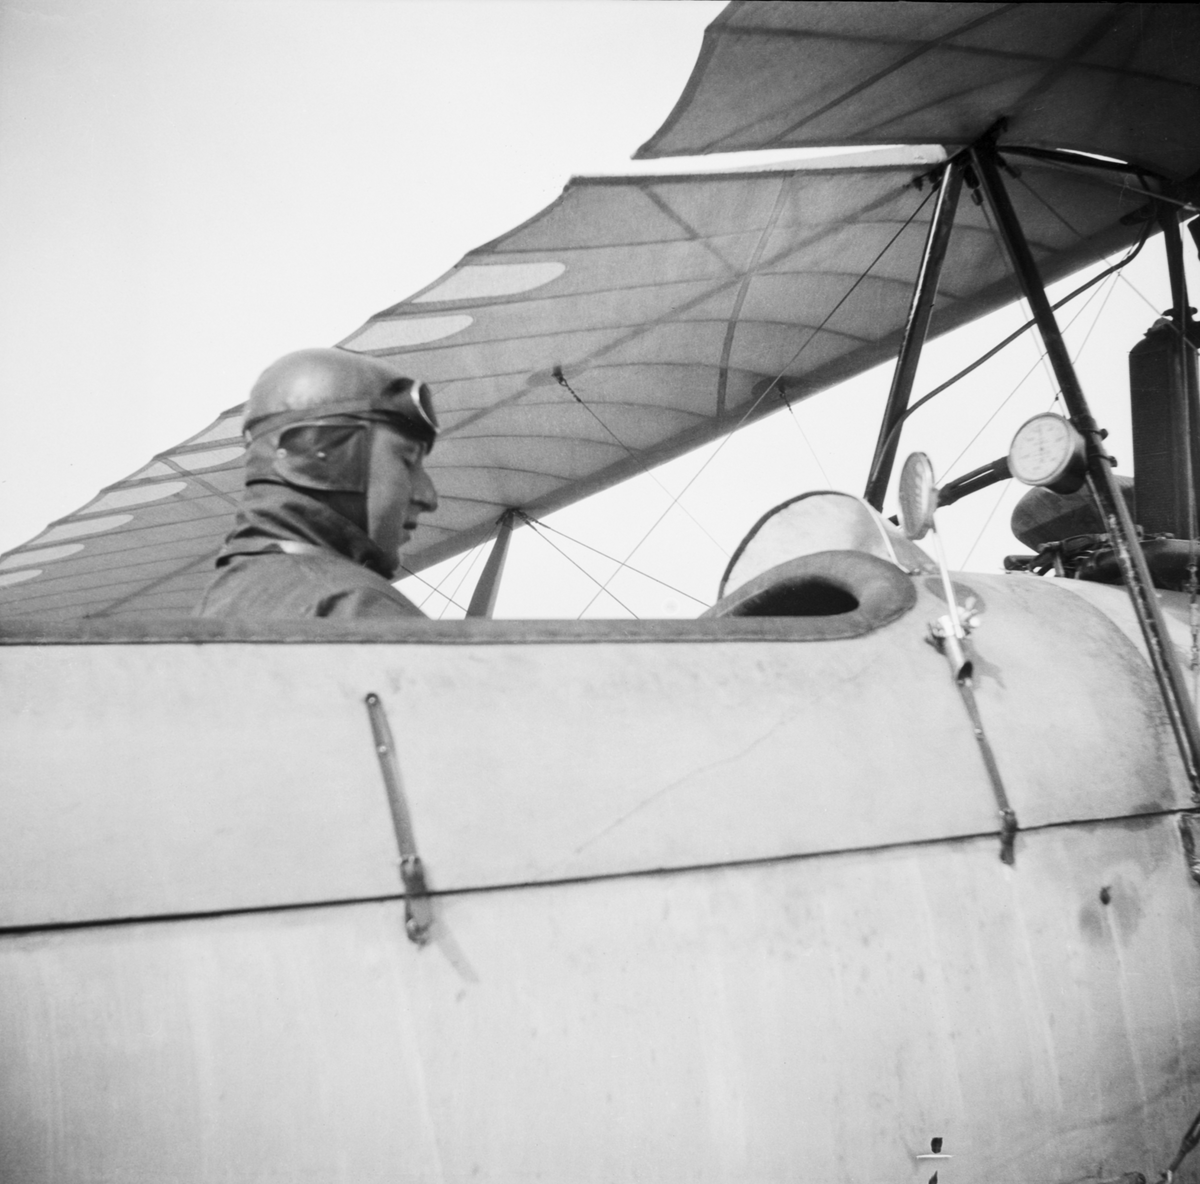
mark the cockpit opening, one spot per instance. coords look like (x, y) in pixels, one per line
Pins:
(814, 597)
(826, 557)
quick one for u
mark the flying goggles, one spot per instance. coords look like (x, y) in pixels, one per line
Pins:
(406, 405)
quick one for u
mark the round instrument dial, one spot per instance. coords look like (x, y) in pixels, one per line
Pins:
(918, 496)
(1044, 449)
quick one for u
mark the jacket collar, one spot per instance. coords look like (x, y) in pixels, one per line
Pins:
(273, 513)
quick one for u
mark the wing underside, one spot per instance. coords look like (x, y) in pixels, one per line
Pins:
(1116, 80)
(631, 320)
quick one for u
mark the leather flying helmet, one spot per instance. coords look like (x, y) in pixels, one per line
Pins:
(315, 383)
(308, 418)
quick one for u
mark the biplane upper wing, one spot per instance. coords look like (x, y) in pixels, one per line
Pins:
(1118, 80)
(631, 320)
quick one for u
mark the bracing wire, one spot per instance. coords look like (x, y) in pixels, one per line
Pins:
(1007, 486)
(1092, 328)
(433, 588)
(773, 385)
(808, 444)
(1057, 400)
(437, 588)
(1105, 178)
(476, 554)
(1023, 380)
(1042, 201)
(561, 379)
(1005, 489)
(1043, 359)
(1043, 356)
(603, 587)
(829, 316)
(1142, 296)
(587, 546)
(984, 426)
(1029, 324)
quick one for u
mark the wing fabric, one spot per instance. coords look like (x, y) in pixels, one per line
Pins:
(1118, 80)
(629, 321)
(142, 548)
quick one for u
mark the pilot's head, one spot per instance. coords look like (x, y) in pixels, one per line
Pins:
(349, 430)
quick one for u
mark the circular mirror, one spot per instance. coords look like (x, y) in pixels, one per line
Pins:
(918, 496)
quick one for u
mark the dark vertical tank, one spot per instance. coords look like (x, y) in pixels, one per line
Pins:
(1161, 408)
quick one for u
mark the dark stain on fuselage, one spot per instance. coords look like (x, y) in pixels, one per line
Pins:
(1116, 907)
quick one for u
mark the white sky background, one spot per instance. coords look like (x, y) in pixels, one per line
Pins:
(190, 188)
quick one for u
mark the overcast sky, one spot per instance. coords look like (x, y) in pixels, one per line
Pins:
(190, 188)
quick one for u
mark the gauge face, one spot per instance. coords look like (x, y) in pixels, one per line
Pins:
(1043, 449)
(918, 496)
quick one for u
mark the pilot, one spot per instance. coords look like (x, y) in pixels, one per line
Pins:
(335, 483)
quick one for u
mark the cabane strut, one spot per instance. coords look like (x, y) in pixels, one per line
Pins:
(983, 161)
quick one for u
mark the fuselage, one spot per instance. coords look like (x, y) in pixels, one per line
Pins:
(714, 900)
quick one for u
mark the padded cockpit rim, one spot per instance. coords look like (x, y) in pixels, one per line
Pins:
(749, 537)
(882, 590)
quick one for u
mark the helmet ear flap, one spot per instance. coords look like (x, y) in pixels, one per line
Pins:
(330, 458)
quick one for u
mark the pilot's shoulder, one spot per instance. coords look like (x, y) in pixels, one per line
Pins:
(367, 603)
(312, 584)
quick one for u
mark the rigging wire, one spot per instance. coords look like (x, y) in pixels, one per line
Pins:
(1041, 200)
(603, 587)
(1028, 374)
(1042, 357)
(1142, 296)
(773, 385)
(991, 353)
(410, 574)
(1002, 251)
(603, 555)
(815, 455)
(1005, 489)
(1057, 400)
(1004, 403)
(1009, 486)
(561, 379)
(437, 588)
(829, 316)
(476, 554)
(1086, 337)
(1124, 185)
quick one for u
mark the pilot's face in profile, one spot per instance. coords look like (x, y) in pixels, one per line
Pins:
(399, 490)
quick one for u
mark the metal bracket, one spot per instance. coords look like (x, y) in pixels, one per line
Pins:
(950, 642)
(418, 909)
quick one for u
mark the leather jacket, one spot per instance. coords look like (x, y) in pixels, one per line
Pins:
(290, 555)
